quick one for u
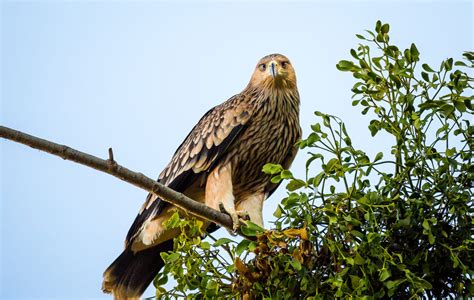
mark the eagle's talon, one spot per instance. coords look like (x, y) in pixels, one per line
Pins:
(235, 223)
(234, 216)
(244, 215)
(222, 208)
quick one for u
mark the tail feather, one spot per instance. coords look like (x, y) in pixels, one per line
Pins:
(131, 273)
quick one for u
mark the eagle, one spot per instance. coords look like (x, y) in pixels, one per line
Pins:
(219, 164)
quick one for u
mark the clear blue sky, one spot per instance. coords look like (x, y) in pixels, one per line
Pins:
(136, 77)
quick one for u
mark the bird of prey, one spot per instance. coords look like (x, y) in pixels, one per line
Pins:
(220, 164)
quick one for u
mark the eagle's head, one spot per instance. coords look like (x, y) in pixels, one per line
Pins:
(273, 71)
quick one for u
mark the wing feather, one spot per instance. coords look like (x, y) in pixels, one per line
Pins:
(209, 139)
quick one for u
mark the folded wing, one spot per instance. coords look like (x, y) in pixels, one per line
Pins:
(199, 153)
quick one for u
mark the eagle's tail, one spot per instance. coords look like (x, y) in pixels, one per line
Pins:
(131, 273)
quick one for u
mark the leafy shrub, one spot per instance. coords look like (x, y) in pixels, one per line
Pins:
(397, 225)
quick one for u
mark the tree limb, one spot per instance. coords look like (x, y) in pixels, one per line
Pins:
(111, 167)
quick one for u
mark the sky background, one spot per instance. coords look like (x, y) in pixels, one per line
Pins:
(137, 77)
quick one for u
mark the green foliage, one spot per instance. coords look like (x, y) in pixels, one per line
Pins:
(195, 263)
(396, 225)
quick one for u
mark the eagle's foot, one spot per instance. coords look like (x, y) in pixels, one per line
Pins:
(243, 214)
(235, 216)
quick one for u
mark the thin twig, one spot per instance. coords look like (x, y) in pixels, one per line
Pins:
(111, 155)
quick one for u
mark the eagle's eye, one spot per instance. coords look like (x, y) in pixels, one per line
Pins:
(284, 64)
(262, 67)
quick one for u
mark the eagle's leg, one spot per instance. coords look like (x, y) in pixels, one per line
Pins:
(220, 194)
(252, 205)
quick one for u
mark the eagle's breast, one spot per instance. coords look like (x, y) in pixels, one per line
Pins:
(269, 137)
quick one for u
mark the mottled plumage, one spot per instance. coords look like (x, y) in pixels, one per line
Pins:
(219, 163)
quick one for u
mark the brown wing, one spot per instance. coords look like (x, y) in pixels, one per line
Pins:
(199, 152)
(208, 139)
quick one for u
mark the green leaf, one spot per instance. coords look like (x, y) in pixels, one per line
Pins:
(247, 231)
(359, 260)
(241, 247)
(378, 25)
(424, 284)
(251, 229)
(295, 264)
(460, 64)
(172, 257)
(173, 221)
(414, 52)
(460, 106)
(405, 222)
(222, 241)
(426, 224)
(370, 32)
(316, 127)
(278, 212)
(318, 113)
(378, 157)
(276, 179)
(431, 238)
(354, 54)
(252, 246)
(346, 65)
(376, 61)
(295, 184)
(205, 245)
(272, 169)
(447, 109)
(374, 127)
(160, 279)
(290, 201)
(254, 227)
(394, 283)
(285, 174)
(425, 76)
(313, 138)
(159, 291)
(350, 261)
(448, 64)
(384, 274)
(427, 68)
(354, 280)
(318, 178)
(450, 151)
(331, 165)
(468, 104)
(442, 128)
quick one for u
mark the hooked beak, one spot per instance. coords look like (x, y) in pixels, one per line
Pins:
(273, 68)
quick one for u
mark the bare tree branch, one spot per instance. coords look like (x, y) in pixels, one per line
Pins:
(111, 167)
